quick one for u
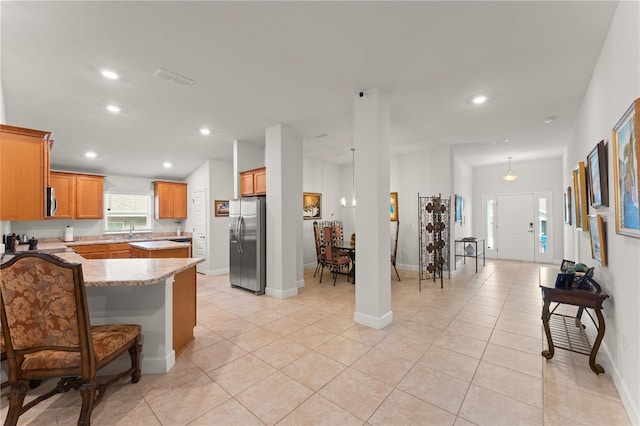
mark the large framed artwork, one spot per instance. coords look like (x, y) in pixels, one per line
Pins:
(626, 172)
(311, 206)
(393, 207)
(597, 172)
(598, 239)
(221, 208)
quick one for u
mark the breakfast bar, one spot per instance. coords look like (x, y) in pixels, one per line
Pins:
(139, 291)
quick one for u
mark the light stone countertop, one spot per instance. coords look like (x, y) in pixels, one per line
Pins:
(159, 245)
(128, 272)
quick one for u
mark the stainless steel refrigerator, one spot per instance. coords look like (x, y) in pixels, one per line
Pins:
(247, 243)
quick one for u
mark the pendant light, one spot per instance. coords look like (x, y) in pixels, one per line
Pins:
(510, 176)
(343, 200)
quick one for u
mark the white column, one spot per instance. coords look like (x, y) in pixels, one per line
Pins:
(283, 159)
(372, 170)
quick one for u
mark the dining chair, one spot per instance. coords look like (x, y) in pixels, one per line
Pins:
(45, 322)
(335, 259)
(395, 250)
(320, 256)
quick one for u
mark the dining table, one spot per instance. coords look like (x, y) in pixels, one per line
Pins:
(351, 250)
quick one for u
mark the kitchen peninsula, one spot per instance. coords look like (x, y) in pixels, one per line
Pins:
(139, 291)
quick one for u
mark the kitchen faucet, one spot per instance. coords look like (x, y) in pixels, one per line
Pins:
(131, 229)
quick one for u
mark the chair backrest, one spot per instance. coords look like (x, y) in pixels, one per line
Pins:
(338, 237)
(327, 242)
(316, 236)
(43, 307)
(395, 244)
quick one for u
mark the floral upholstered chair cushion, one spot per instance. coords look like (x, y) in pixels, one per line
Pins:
(48, 334)
(40, 305)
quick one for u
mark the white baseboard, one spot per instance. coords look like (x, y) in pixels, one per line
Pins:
(216, 272)
(633, 411)
(280, 294)
(373, 322)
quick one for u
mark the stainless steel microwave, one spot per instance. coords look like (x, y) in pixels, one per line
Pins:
(52, 203)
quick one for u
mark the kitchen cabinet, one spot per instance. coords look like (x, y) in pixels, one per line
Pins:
(118, 251)
(92, 251)
(103, 251)
(79, 196)
(253, 182)
(24, 173)
(184, 288)
(170, 200)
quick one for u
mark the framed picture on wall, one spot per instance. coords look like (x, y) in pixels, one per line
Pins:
(626, 171)
(221, 208)
(459, 201)
(567, 206)
(597, 173)
(598, 241)
(311, 206)
(580, 192)
(393, 207)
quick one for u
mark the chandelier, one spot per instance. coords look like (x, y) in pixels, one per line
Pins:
(510, 176)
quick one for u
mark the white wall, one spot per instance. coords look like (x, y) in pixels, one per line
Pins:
(324, 178)
(427, 173)
(463, 186)
(614, 85)
(216, 179)
(533, 176)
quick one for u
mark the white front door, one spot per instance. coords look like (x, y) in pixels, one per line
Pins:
(200, 247)
(516, 227)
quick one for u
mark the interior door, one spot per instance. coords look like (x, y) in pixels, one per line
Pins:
(516, 227)
(199, 238)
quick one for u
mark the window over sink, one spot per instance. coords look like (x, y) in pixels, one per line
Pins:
(124, 212)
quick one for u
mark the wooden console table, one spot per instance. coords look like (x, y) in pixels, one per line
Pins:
(568, 331)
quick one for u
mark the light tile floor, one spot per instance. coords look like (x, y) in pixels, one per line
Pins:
(465, 354)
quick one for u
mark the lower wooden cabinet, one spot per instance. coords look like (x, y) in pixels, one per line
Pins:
(118, 251)
(184, 292)
(103, 251)
(92, 251)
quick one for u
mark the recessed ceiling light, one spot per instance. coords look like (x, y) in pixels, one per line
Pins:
(113, 108)
(110, 75)
(90, 154)
(167, 165)
(480, 99)
(205, 131)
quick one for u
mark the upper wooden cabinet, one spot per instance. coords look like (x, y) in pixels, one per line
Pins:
(79, 196)
(171, 200)
(253, 182)
(24, 172)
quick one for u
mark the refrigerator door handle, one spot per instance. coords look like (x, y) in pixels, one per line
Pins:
(239, 231)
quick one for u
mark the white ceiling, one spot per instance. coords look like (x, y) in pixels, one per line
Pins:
(256, 64)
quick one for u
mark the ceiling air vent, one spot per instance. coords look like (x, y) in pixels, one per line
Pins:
(173, 77)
